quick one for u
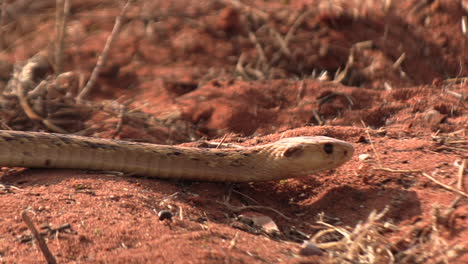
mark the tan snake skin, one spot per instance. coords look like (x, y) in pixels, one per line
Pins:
(286, 158)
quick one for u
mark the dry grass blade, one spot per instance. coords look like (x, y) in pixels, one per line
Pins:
(4, 126)
(373, 241)
(399, 61)
(456, 80)
(452, 143)
(300, 19)
(240, 66)
(258, 46)
(282, 43)
(340, 76)
(425, 243)
(248, 9)
(458, 96)
(372, 144)
(364, 244)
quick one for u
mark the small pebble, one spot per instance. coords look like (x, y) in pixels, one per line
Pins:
(363, 139)
(165, 214)
(364, 157)
(262, 221)
(310, 249)
(433, 117)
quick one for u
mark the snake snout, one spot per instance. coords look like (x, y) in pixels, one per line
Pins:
(347, 151)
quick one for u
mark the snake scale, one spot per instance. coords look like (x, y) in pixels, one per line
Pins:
(286, 158)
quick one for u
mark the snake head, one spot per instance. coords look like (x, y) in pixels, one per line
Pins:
(299, 156)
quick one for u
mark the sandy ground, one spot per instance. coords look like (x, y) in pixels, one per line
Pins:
(388, 76)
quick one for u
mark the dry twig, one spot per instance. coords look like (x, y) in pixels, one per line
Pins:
(246, 207)
(62, 11)
(445, 186)
(105, 53)
(253, 38)
(456, 80)
(8, 187)
(40, 241)
(461, 172)
(3, 8)
(222, 141)
(399, 61)
(118, 128)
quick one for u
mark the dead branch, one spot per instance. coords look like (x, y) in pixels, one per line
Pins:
(62, 11)
(105, 53)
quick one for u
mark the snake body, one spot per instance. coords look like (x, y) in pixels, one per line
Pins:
(286, 158)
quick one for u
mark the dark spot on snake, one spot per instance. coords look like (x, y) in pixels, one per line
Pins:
(7, 138)
(220, 154)
(193, 158)
(236, 163)
(26, 153)
(66, 139)
(96, 145)
(174, 153)
(203, 144)
(245, 154)
(42, 136)
(57, 143)
(25, 136)
(292, 151)
(328, 148)
(47, 163)
(123, 142)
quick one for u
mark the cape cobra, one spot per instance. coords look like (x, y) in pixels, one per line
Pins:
(289, 157)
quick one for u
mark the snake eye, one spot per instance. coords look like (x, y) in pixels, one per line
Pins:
(292, 151)
(328, 148)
